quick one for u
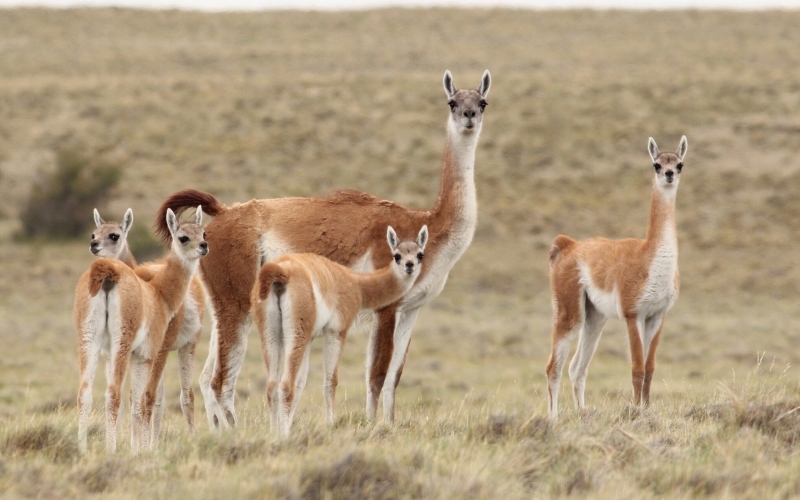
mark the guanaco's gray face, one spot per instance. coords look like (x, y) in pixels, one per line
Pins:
(408, 254)
(188, 238)
(668, 166)
(109, 238)
(467, 106)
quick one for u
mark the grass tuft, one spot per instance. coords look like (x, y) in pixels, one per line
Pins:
(44, 439)
(779, 420)
(355, 475)
(101, 477)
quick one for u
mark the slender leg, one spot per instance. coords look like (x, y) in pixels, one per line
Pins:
(158, 415)
(635, 326)
(186, 366)
(653, 327)
(563, 333)
(155, 379)
(334, 342)
(296, 341)
(120, 357)
(140, 427)
(109, 377)
(88, 356)
(569, 314)
(301, 382)
(271, 331)
(402, 339)
(379, 355)
(230, 357)
(209, 398)
(587, 345)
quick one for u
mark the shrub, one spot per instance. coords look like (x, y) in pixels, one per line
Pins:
(60, 204)
(143, 245)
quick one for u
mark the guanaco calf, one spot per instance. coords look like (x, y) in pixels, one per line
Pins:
(633, 280)
(127, 316)
(298, 297)
(109, 239)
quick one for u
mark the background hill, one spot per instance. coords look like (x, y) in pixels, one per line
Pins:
(300, 103)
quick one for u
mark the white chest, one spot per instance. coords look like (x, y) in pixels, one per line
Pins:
(660, 290)
(192, 317)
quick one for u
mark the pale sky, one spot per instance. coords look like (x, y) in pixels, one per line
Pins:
(217, 5)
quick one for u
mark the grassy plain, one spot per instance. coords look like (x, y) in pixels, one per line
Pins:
(294, 103)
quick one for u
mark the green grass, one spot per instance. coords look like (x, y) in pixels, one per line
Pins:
(291, 103)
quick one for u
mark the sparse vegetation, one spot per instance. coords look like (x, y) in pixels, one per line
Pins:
(293, 103)
(59, 203)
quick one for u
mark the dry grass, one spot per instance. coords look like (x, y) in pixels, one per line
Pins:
(277, 104)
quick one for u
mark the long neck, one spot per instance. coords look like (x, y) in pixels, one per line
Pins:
(457, 204)
(126, 257)
(172, 282)
(381, 288)
(662, 229)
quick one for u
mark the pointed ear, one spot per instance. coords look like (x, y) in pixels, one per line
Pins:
(97, 219)
(422, 237)
(486, 82)
(449, 87)
(172, 222)
(651, 146)
(391, 237)
(682, 147)
(127, 221)
(198, 216)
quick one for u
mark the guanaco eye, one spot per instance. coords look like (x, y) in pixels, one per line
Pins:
(483, 105)
(452, 105)
(420, 256)
(657, 167)
(679, 166)
(92, 236)
(397, 258)
(183, 239)
(204, 235)
(113, 237)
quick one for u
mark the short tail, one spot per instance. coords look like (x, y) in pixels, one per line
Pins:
(103, 271)
(560, 245)
(270, 274)
(181, 201)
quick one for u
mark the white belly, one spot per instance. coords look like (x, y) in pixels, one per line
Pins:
(607, 302)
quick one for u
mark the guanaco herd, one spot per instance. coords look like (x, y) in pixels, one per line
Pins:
(305, 267)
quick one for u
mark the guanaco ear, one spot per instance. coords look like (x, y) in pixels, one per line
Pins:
(682, 147)
(391, 237)
(486, 82)
(449, 87)
(198, 216)
(97, 219)
(172, 223)
(127, 221)
(422, 237)
(651, 146)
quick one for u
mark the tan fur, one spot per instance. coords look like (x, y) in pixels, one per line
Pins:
(129, 315)
(343, 227)
(292, 288)
(109, 239)
(637, 278)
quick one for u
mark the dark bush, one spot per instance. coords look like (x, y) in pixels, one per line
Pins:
(143, 245)
(61, 203)
(43, 439)
(355, 475)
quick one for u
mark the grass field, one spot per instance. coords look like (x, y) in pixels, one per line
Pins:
(275, 104)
